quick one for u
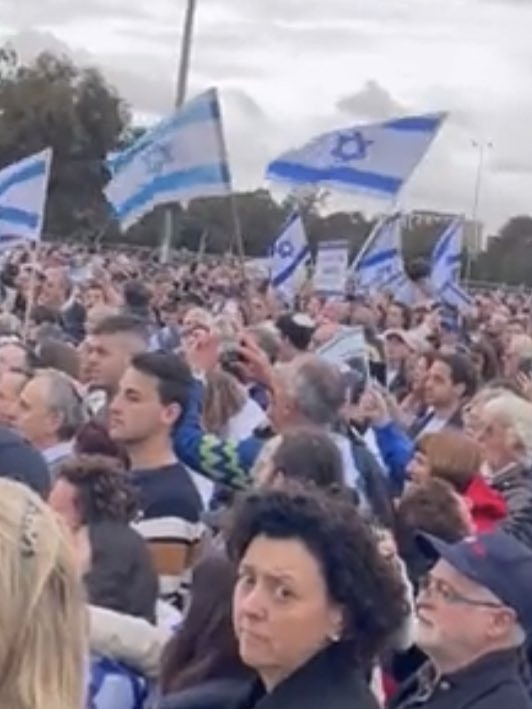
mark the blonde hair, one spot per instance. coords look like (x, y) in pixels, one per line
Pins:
(223, 398)
(42, 613)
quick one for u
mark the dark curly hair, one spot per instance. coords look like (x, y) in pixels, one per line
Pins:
(104, 492)
(358, 578)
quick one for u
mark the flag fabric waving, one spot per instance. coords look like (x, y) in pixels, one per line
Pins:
(453, 294)
(379, 264)
(23, 190)
(376, 158)
(180, 159)
(445, 267)
(447, 255)
(290, 252)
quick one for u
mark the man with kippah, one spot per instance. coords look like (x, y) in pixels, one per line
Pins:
(296, 330)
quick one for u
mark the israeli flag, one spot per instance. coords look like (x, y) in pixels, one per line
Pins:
(23, 190)
(447, 255)
(445, 267)
(376, 159)
(290, 252)
(182, 158)
(379, 263)
(453, 294)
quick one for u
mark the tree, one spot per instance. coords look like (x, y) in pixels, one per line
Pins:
(260, 219)
(507, 258)
(53, 103)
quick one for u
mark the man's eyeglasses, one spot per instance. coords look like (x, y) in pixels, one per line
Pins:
(431, 584)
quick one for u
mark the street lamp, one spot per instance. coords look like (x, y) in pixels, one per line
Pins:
(482, 146)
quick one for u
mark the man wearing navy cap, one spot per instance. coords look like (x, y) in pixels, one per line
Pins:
(474, 613)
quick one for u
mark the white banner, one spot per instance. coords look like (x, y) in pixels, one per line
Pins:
(331, 268)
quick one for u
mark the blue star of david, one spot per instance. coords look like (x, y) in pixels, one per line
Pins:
(351, 146)
(157, 157)
(285, 249)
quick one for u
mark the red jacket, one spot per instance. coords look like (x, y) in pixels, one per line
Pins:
(487, 506)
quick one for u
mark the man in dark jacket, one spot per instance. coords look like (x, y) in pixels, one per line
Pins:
(474, 613)
(20, 461)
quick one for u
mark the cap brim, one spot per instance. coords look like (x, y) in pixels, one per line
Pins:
(432, 547)
(435, 549)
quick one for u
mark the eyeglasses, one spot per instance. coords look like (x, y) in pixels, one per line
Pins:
(432, 584)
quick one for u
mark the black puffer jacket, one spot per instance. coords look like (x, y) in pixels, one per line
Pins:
(215, 694)
(320, 684)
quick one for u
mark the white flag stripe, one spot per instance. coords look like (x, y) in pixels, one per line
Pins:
(23, 192)
(196, 147)
(379, 263)
(179, 160)
(289, 256)
(445, 262)
(376, 158)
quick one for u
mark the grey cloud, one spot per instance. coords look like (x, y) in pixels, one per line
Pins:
(137, 87)
(244, 103)
(512, 165)
(30, 43)
(249, 134)
(371, 101)
(152, 96)
(48, 12)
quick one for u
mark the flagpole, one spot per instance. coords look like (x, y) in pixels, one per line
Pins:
(237, 236)
(202, 246)
(186, 52)
(32, 290)
(32, 286)
(180, 97)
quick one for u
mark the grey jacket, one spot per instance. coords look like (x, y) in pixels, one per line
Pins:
(514, 483)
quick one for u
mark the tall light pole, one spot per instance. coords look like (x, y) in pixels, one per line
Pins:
(186, 51)
(180, 97)
(482, 146)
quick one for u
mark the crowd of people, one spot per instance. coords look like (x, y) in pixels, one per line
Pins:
(200, 510)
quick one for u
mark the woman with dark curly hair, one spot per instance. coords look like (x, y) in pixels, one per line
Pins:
(314, 603)
(93, 488)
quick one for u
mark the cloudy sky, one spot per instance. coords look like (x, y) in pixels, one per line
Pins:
(290, 68)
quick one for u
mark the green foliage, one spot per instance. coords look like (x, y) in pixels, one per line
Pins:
(53, 103)
(507, 258)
